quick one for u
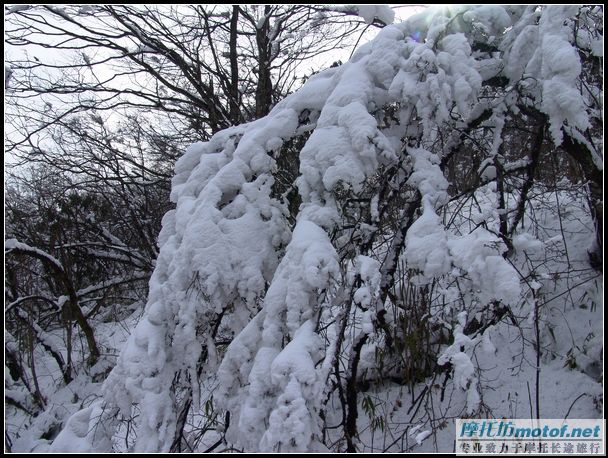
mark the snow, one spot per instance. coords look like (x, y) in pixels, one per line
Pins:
(288, 311)
(18, 8)
(292, 284)
(464, 370)
(486, 343)
(86, 9)
(493, 20)
(560, 68)
(597, 47)
(13, 244)
(347, 145)
(526, 242)
(369, 13)
(426, 247)
(420, 437)
(433, 251)
(479, 254)
(381, 12)
(229, 250)
(375, 214)
(81, 433)
(434, 81)
(223, 239)
(81, 394)
(261, 21)
(427, 176)
(291, 426)
(542, 50)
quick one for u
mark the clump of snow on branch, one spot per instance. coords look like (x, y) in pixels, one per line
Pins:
(543, 60)
(13, 244)
(219, 246)
(368, 270)
(369, 13)
(464, 370)
(85, 432)
(278, 380)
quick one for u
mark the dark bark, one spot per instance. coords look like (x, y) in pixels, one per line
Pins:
(263, 93)
(73, 306)
(233, 94)
(350, 427)
(530, 176)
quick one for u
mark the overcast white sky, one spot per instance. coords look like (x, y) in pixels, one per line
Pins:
(323, 61)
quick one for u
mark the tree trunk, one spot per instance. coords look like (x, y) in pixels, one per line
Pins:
(263, 93)
(593, 175)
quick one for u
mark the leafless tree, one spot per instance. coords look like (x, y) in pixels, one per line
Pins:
(210, 66)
